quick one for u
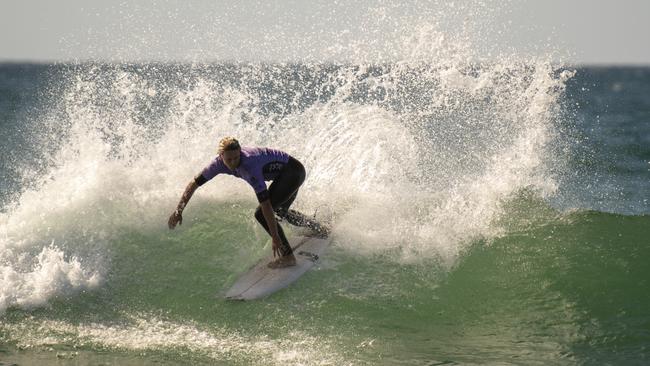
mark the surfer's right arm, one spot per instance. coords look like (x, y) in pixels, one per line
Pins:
(216, 167)
(177, 215)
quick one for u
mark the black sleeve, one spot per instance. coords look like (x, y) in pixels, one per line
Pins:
(263, 196)
(200, 180)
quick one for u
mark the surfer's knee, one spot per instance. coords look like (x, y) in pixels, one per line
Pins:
(281, 211)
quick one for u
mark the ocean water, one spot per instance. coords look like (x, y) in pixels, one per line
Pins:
(481, 212)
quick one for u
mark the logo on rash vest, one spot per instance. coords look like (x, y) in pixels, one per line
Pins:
(272, 168)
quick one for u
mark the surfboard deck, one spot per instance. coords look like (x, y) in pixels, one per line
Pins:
(261, 281)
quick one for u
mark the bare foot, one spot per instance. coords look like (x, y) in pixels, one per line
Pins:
(283, 262)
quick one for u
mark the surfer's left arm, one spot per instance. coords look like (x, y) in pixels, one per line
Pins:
(269, 216)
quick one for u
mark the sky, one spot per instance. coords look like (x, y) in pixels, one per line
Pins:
(570, 31)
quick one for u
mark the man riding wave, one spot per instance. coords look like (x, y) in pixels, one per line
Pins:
(256, 165)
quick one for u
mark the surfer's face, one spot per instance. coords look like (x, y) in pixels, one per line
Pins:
(231, 158)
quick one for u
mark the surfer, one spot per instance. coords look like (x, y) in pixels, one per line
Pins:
(256, 165)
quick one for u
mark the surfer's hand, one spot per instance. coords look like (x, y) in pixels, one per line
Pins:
(276, 247)
(175, 218)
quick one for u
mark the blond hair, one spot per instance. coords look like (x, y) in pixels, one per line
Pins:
(228, 143)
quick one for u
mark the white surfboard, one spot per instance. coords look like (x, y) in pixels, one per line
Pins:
(261, 281)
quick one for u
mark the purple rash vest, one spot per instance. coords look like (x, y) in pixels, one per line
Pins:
(256, 165)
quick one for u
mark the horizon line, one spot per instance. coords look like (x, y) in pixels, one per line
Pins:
(29, 61)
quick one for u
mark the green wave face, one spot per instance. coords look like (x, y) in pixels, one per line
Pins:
(570, 290)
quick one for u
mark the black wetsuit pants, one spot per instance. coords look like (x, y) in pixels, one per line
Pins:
(283, 192)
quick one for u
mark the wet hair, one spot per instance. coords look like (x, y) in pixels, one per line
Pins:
(228, 143)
